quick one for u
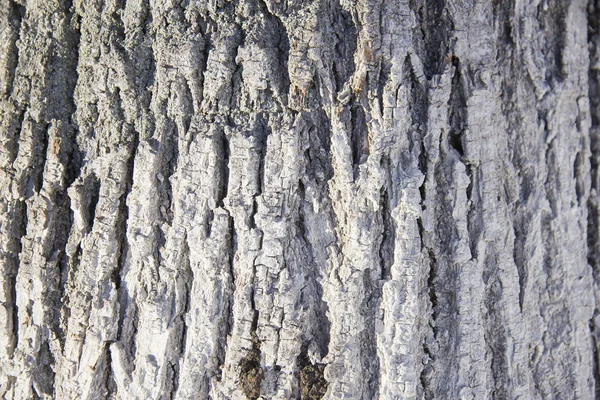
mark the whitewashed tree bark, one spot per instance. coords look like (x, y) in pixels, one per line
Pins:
(283, 199)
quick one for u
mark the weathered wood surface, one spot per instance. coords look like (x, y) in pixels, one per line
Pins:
(333, 199)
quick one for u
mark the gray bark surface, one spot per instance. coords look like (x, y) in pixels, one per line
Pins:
(283, 199)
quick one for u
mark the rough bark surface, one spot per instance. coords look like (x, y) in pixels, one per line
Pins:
(286, 199)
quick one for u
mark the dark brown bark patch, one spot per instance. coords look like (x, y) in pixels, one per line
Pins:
(251, 374)
(313, 385)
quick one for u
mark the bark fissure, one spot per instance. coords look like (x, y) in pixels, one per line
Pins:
(224, 173)
(16, 14)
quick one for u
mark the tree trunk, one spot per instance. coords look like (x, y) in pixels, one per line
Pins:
(286, 199)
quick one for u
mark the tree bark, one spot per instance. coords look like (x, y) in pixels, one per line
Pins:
(286, 199)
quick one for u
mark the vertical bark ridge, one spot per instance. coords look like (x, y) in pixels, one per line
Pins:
(593, 205)
(12, 228)
(40, 164)
(12, 17)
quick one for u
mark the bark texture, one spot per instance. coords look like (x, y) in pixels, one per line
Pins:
(286, 199)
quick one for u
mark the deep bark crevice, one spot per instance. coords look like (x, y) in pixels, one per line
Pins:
(318, 155)
(495, 331)
(552, 15)
(110, 386)
(457, 110)
(186, 278)
(21, 222)
(436, 28)
(426, 375)
(39, 156)
(170, 158)
(128, 314)
(359, 137)
(12, 306)
(16, 15)
(369, 359)
(388, 235)
(224, 171)
(228, 319)
(344, 47)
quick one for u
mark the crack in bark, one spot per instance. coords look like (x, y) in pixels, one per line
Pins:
(224, 172)
(457, 110)
(435, 28)
(388, 235)
(228, 319)
(15, 16)
(359, 137)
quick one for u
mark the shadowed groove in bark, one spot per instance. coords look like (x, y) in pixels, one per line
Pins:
(169, 160)
(445, 279)
(384, 76)
(425, 377)
(318, 153)
(274, 33)
(457, 109)
(224, 170)
(359, 137)
(552, 15)
(109, 374)
(12, 277)
(509, 57)
(315, 171)
(593, 205)
(141, 51)
(346, 37)
(92, 185)
(186, 279)
(435, 30)
(43, 382)
(124, 298)
(11, 148)
(311, 381)
(495, 333)
(434, 44)
(39, 154)
(228, 320)
(418, 111)
(30, 180)
(128, 317)
(16, 13)
(260, 134)
(388, 234)
(369, 309)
